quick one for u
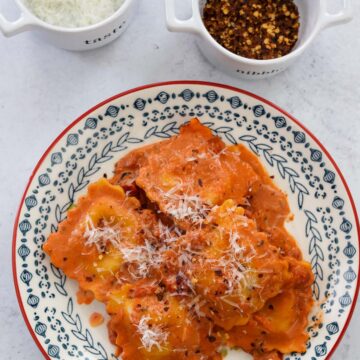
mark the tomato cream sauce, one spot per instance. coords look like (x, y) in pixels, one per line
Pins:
(96, 319)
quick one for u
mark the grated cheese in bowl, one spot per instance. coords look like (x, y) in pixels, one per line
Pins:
(73, 13)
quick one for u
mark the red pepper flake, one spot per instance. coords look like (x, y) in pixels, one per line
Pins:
(218, 273)
(211, 338)
(256, 29)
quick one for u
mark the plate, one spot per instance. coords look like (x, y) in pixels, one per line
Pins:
(326, 223)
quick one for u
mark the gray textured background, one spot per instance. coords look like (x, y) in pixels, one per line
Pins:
(42, 89)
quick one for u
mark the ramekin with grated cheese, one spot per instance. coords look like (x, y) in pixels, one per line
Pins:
(73, 13)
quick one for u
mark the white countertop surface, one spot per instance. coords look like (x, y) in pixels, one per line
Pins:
(42, 89)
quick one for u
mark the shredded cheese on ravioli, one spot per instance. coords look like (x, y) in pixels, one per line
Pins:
(100, 236)
(184, 206)
(150, 334)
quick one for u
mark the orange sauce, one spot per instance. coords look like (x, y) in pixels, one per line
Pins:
(84, 296)
(96, 319)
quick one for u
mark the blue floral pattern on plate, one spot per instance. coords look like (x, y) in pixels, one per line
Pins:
(325, 223)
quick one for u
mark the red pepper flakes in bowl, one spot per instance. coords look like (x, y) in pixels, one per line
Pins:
(255, 29)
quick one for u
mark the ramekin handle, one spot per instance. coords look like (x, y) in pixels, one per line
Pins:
(10, 28)
(177, 25)
(342, 17)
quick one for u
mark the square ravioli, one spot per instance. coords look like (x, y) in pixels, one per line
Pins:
(93, 245)
(147, 323)
(232, 267)
(188, 174)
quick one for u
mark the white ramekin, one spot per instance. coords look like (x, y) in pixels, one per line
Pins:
(84, 38)
(314, 17)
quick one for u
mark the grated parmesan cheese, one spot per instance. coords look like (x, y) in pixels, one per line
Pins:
(195, 306)
(100, 236)
(151, 335)
(73, 13)
(183, 206)
(143, 257)
(233, 239)
(169, 235)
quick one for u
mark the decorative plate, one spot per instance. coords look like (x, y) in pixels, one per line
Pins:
(326, 224)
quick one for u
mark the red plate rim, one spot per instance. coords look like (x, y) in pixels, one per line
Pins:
(180, 82)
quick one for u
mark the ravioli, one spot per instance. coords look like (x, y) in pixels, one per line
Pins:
(187, 247)
(148, 323)
(187, 175)
(88, 244)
